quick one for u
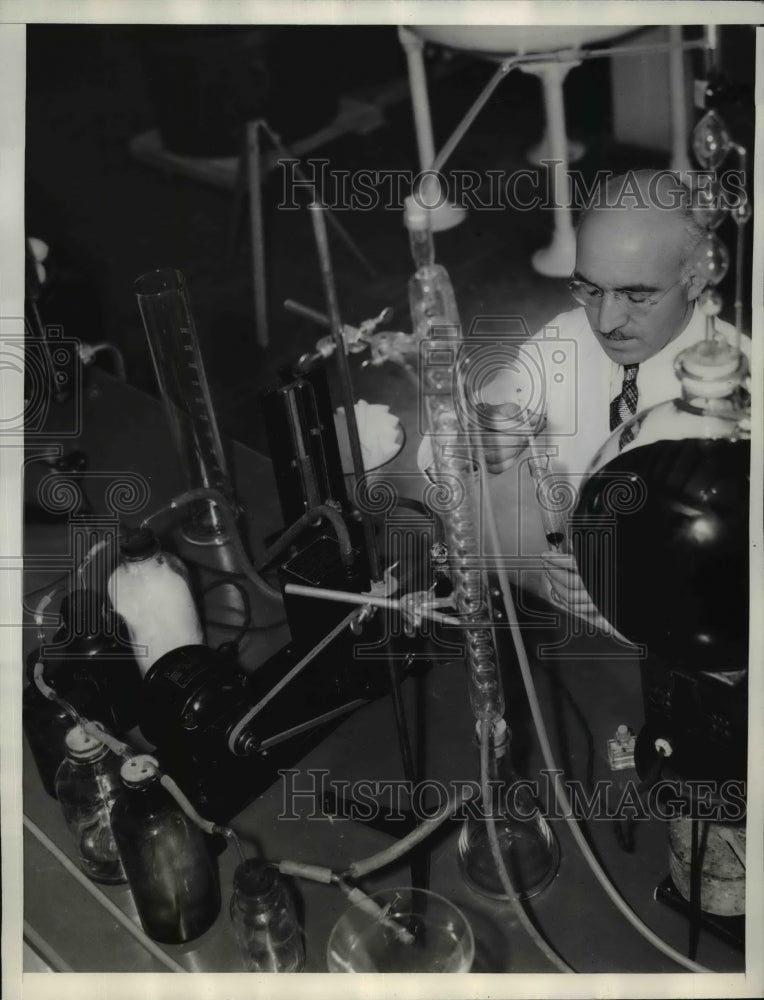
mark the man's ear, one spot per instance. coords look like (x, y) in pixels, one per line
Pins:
(695, 285)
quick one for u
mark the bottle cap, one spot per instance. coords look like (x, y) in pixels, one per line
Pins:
(82, 745)
(255, 878)
(415, 217)
(139, 769)
(138, 543)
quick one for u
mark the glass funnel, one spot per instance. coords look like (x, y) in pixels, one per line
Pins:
(660, 532)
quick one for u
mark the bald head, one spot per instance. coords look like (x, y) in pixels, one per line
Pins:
(645, 211)
(633, 245)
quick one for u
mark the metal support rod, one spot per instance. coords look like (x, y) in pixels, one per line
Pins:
(348, 597)
(458, 134)
(711, 46)
(317, 212)
(254, 176)
(680, 161)
(285, 154)
(413, 46)
(740, 221)
(739, 256)
(565, 55)
(306, 312)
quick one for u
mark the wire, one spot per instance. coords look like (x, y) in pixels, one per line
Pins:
(116, 356)
(486, 728)
(46, 586)
(41, 606)
(546, 751)
(229, 517)
(94, 550)
(360, 868)
(304, 521)
(243, 629)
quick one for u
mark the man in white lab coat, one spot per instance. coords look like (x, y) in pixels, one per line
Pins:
(638, 285)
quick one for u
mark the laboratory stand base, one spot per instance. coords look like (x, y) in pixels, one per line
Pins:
(731, 930)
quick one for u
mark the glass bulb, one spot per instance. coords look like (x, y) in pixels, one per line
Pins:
(710, 141)
(707, 207)
(711, 259)
(710, 302)
(742, 212)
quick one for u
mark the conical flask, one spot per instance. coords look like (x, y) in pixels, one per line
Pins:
(528, 845)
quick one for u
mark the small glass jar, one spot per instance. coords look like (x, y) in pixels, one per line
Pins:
(264, 919)
(87, 785)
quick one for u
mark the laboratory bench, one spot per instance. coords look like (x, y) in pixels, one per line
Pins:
(585, 693)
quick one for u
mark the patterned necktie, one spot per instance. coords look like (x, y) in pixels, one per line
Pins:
(625, 404)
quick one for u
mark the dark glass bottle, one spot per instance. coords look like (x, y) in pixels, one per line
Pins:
(264, 919)
(172, 875)
(89, 641)
(87, 784)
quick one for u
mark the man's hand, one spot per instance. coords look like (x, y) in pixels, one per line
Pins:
(515, 428)
(568, 590)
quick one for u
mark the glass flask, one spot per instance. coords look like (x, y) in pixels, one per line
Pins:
(87, 785)
(528, 846)
(264, 919)
(168, 864)
(661, 526)
(150, 590)
(401, 930)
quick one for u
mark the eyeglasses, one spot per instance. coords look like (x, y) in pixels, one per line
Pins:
(591, 295)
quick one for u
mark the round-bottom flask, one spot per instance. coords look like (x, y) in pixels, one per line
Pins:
(660, 532)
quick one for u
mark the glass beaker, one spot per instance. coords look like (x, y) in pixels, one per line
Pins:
(401, 930)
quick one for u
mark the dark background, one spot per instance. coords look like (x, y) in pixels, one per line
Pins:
(107, 218)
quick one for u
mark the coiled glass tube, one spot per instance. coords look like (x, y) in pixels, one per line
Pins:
(456, 470)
